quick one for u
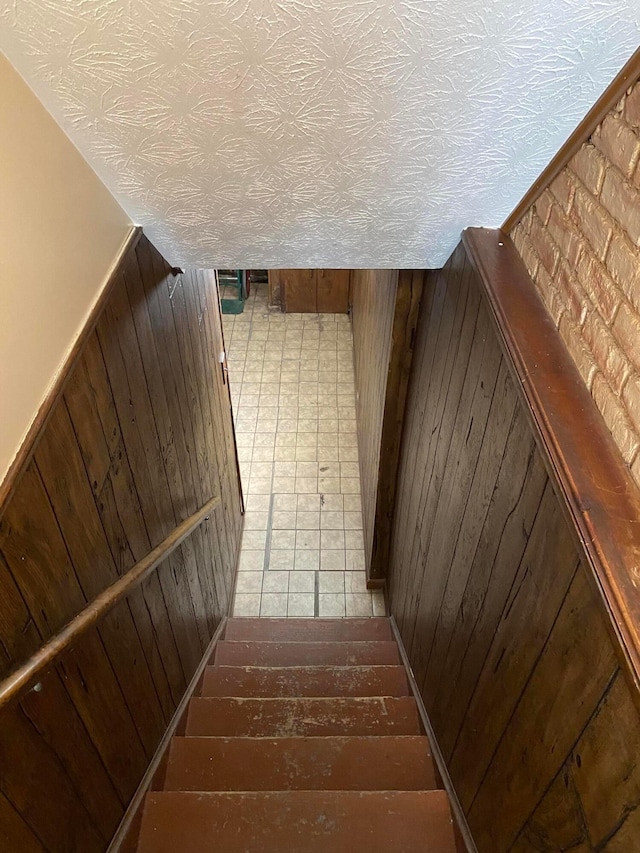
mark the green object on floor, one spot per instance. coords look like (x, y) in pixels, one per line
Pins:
(232, 280)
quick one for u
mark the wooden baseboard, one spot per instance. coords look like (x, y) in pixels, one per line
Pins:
(464, 839)
(234, 582)
(30, 442)
(126, 838)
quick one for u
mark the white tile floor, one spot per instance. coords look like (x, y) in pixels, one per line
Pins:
(291, 379)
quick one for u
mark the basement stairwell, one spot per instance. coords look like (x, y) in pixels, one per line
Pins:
(304, 736)
(483, 493)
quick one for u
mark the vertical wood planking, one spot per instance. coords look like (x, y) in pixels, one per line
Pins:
(333, 291)
(561, 683)
(275, 289)
(593, 801)
(506, 633)
(309, 291)
(374, 302)
(121, 352)
(447, 385)
(92, 408)
(15, 833)
(514, 506)
(220, 397)
(64, 477)
(403, 334)
(51, 715)
(299, 291)
(141, 437)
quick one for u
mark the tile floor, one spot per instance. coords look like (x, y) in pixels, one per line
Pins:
(292, 388)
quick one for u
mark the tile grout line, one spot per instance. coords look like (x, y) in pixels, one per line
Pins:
(316, 594)
(267, 544)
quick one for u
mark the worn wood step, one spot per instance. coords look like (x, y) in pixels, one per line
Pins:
(300, 821)
(249, 653)
(305, 681)
(302, 764)
(234, 717)
(306, 630)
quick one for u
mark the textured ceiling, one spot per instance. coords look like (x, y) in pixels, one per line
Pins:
(289, 133)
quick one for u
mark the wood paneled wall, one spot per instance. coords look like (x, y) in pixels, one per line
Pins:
(385, 307)
(506, 632)
(140, 439)
(373, 297)
(310, 290)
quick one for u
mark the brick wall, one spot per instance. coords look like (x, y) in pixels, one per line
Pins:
(581, 243)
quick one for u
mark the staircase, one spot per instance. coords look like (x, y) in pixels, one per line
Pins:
(305, 736)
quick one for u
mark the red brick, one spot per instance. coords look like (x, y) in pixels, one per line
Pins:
(565, 234)
(589, 165)
(528, 255)
(599, 285)
(579, 351)
(517, 235)
(523, 245)
(526, 220)
(608, 355)
(619, 144)
(616, 418)
(574, 297)
(623, 203)
(594, 223)
(542, 206)
(623, 262)
(626, 330)
(544, 246)
(631, 397)
(632, 107)
(563, 188)
(549, 293)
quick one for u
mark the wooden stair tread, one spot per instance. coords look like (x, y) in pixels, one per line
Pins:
(335, 630)
(284, 764)
(265, 653)
(301, 821)
(305, 737)
(298, 717)
(305, 681)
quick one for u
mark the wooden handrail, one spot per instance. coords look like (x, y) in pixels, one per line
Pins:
(16, 683)
(592, 480)
(605, 103)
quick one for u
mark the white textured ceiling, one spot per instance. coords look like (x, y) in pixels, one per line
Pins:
(284, 133)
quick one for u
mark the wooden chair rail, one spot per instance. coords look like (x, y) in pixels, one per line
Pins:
(16, 683)
(595, 487)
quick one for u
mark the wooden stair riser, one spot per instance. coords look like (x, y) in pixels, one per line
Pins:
(241, 653)
(305, 681)
(302, 717)
(302, 630)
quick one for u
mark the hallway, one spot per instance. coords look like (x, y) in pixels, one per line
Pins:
(292, 387)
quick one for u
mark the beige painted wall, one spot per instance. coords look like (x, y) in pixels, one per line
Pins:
(60, 231)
